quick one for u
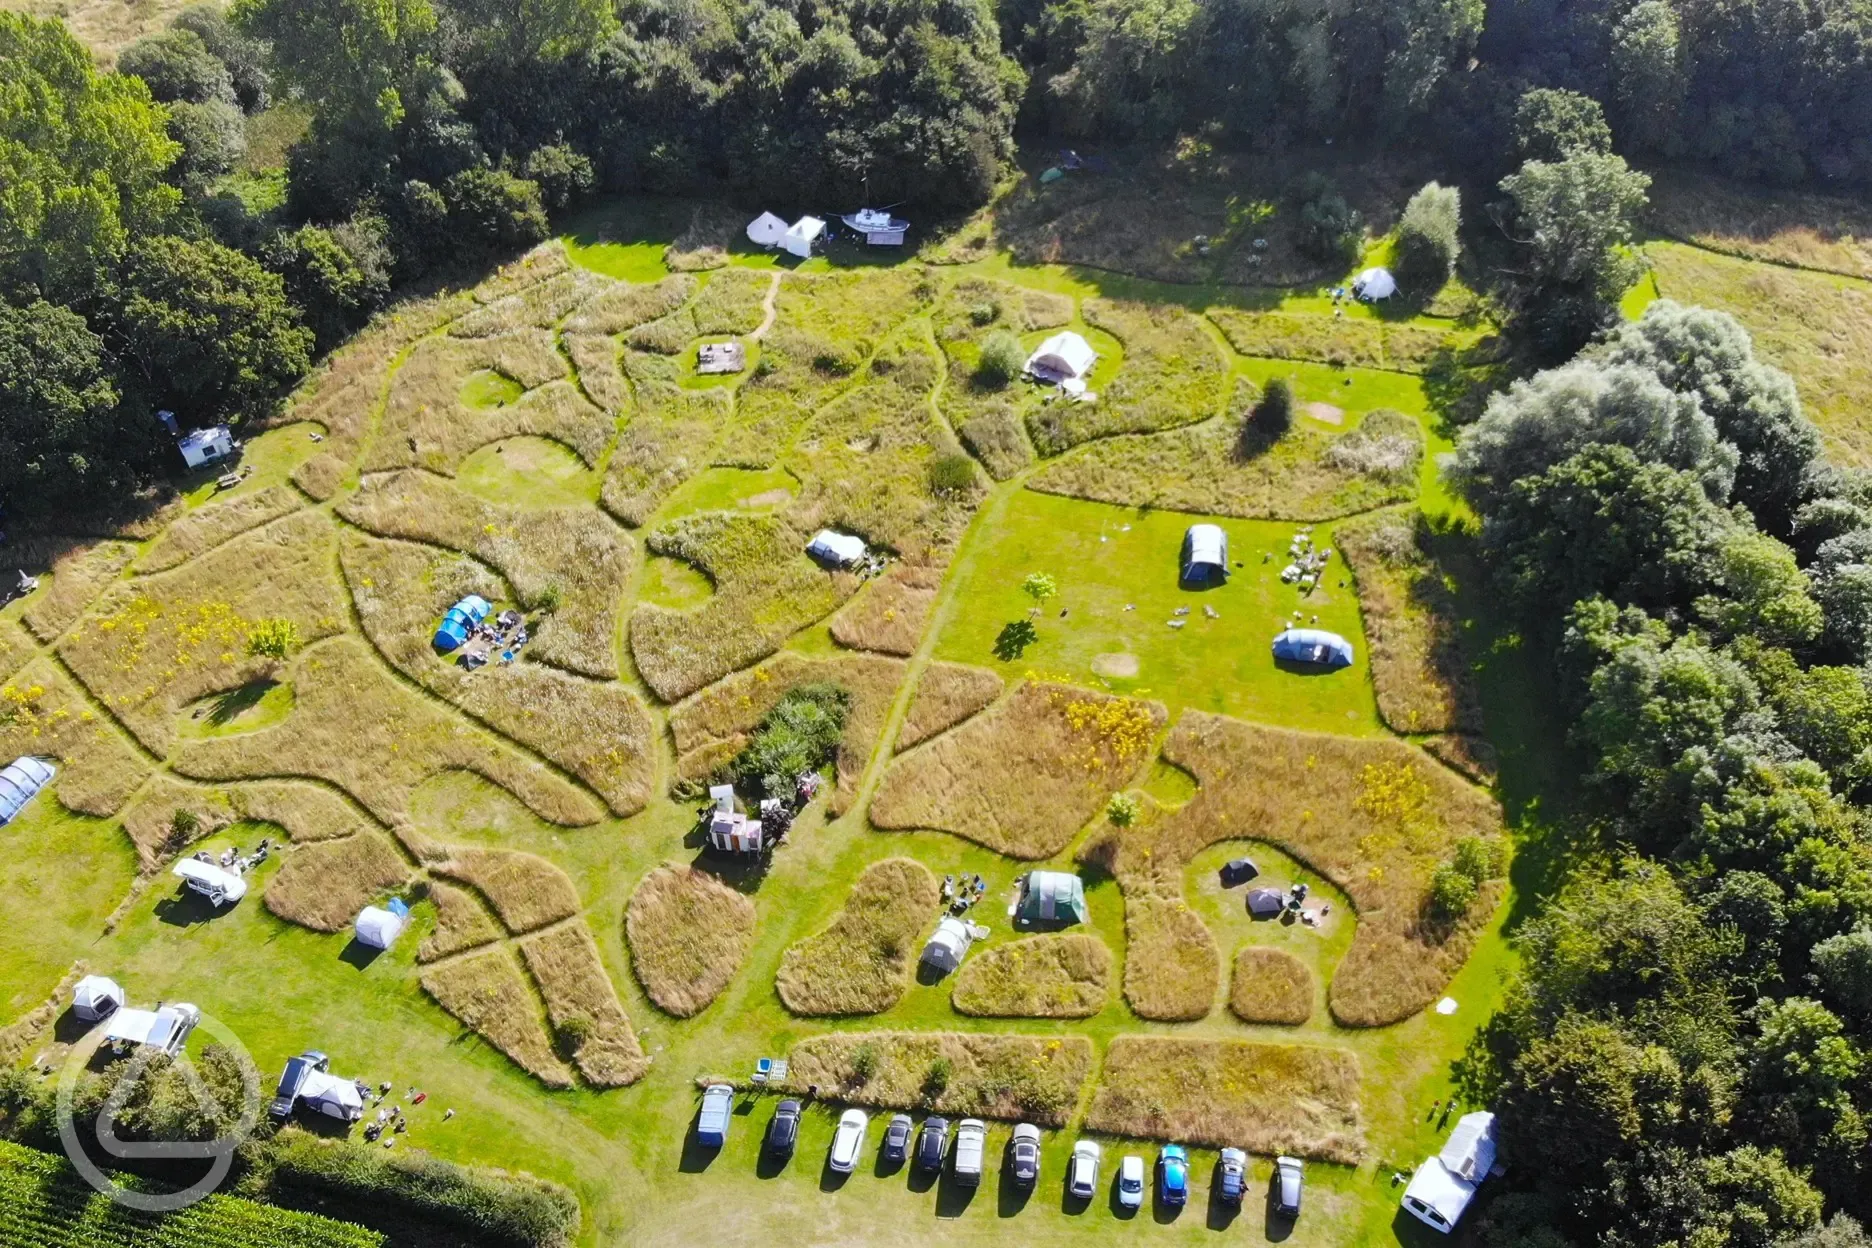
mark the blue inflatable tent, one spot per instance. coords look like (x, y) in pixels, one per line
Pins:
(1314, 646)
(20, 782)
(459, 621)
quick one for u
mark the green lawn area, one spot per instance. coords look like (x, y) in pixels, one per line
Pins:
(61, 874)
(528, 472)
(1107, 559)
(270, 455)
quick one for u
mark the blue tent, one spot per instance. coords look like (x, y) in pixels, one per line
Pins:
(1315, 646)
(460, 620)
(20, 782)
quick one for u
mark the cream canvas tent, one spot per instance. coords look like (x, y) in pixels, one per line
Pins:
(1063, 357)
(801, 235)
(96, 997)
(1374, 284)
(766, 230)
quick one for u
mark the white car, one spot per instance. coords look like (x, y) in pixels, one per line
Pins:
(1082, 1170)
(848, 1141)
(1131, 1181)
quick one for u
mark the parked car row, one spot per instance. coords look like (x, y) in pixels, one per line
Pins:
(927, 1147)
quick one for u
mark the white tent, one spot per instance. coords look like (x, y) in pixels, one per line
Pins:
(166, 1029)
(1374, 284)
(801, 235)
(95, 997)
(1444, 1185)
(766, 229)
(1063, 357)
(1205, 553)
(950, 944)
(217, 884)
(377, 927)
(20, 782)
(205, 446)
(723, 797)
(839, 549)
(325, 1093)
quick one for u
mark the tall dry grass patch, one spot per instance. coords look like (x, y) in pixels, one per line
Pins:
(1267, 1098)
(1222, 467)
(1331, 340)
(213, 523)
(1779, 225)
(1814, 325)
(158, 643)
(149, 818)
(1171, 962)
(947, 694)
(343, 394)
(573, 552)
(1419, 669)
(488, 994)
(1171, 375)
(889, 616)
(359, 728)
(1053, 976)
(307, 811)
(323, 885)
(1017, 1078)
(711, 727)
(863, 460)
(538, 306)
(733, 302)
(1375, 817)
(625, 305)
(1024, 776)
(704, 243)
(861, 963)
(766, 589)
(595, 360)
(1270, 986)
(667, 441)
(43, 713)
(689, 934)
(78, 577)
(582, 1004)
(462, 922)
(17, 647)
(601, 733)
(526, 891)
(549, 259)
(990, 417)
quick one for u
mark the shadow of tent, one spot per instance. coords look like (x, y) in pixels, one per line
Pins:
(928, 974)
(68, 1028)
(357, 953)
(1308, 669)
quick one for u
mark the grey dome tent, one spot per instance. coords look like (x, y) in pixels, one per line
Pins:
(379, 926)
(1266, 903)
(1205, 554)
(20, 782)
(1051, 897)
(1313, 646)
(950, 943)
(96, 997)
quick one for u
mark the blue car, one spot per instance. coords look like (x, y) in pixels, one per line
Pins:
(1172, 1175)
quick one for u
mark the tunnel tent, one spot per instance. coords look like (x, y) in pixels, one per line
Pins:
(950, 944)
(378, 926)
(1205, 554)
(459, 621)
(1313, 646)
(1051, 897)
(840, 550)
(20, 782)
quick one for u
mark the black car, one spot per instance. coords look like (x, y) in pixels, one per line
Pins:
(783, 1129)
(1238, 871)
(897, 1139)
(932, 1143)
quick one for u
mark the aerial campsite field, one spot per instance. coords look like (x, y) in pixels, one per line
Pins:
(578, 962)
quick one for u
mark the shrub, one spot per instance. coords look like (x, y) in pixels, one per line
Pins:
(178, 66)
(494, 212)
(1481, 860)
(1122, 810)
(274, 638)
(984, 313)
(951, 474)
(564, 175)
(936, 1081)
(1272, 415)
(799, 735)
(864, 1063)
(1427, 238)
(550, 597)
(184, 825)
(1330, 229)
(1040, 587)
(571, 1034)
(1452, 892)
(1002, 358)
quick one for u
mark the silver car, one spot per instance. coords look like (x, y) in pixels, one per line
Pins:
(1131, 1181)
(1083, 1170)
(848, 1141)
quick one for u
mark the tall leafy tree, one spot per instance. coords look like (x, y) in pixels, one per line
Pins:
(61, 432)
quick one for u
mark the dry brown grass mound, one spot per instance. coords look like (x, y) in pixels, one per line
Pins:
(358, 727)
(526, 891)
(601, 733)
(488, 993)
(323, 885)
(1171, 962)
(766, 589)
(160, 642)
(1312, 473)
(1266, 1098)
(1271, 986)
(667, 441)
(306, 811)
(42, 712)
(889, 617)
(149, 818)
(625, 306)
(1419, 669)
(538, 306)
(78, 577)
(1781, 226)
(1023, 777)
(1331, 340)
(713, 726)
(17, 647)
(573, 980)
(345, 392)
(595, 359)
(1172, 374)
(1375, 817)
(1026, 1078)
(861, 963)
(210, 525)
(575, 549)
(1039, 977)
(689, 934)
(947, 694)
(461, 923)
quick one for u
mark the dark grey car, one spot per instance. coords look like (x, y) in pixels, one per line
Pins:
(932, 1143)
(783, 1129)
(897, 1139)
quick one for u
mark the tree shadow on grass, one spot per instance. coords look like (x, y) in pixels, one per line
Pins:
(227, 707)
